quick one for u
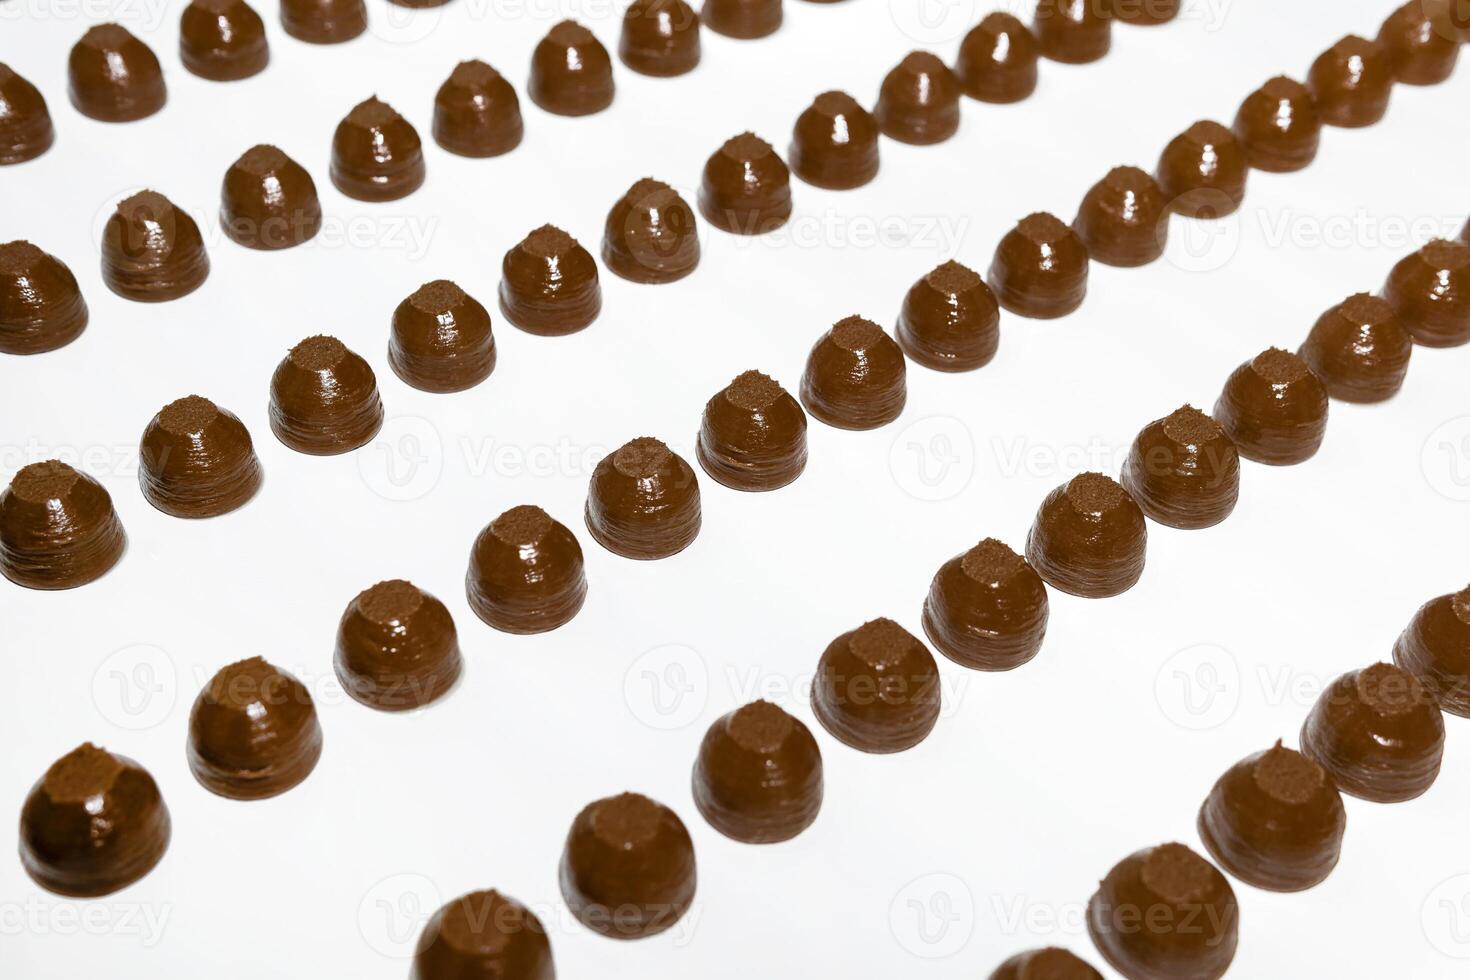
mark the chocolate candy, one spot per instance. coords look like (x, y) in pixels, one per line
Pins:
(152, 251)
(742, 19)
(950, 320)
(477, 113)
(197, 460)
(644, 501)
(222, 40)
(855, 376)
(1183, 470)
(628, 868)
(253, 732)
(1359, 349)
(1073, 32)
(1165, 912)
(269, 201)
(441, 339)
(1274, 820)
(324, 21)
(114, 77)
(94, 824)
(483, 934)
(758, 777)
(1144, 13)
(1124, 219)
(376, 154)
(987, 608)
(919, 101)
(1051, 963)
(1274, 408)
(746, 188)
(526, 572)
(835, 143)
(1418, 52)
(877, 688)
(660, 37)
(25, 122)
(1351, 81)
(1430, 291)
(41, 306)
(1378, 733)
(997, 60)
(753, 435)
(571, 73)
(549, 285)
(1088, 538)
(397, 647)
(324, 399)
(650, 235)
(1203, 171)
(57, 528)
(1279, 126)
(1435, 647)
(1040, 268)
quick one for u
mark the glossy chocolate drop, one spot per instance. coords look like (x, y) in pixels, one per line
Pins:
(835, 144)
(950, 320)
(253, 732)
(526, 573)
(997, 60)
(1144, 13)
(1435, 647)
(94, 824)
(644, 501)
(41, 305)
(1274, 408)
(1279, 126)
(222, 40)
(987, 608)
(397, 648)
(269, 201)
(1418, 52)
(746, 188)
(58, 529)
(855, 376)
(741, 19)
(477, 113)
(324, 21)
(197, 460)
(753, 435)
(877, 688)
(1183, 470)
(1040, 268)
(480, 936)
(1430, 291)
(1051, 963)
(1359, 349)
(1089, 538)
(549, 284)
(571, 73)
(1203, 171)
(660, 38)
(324, 399)
(758, 776)
(25, 121)
(919, 101)
(1351, 82)
(628, 868)
(1124, 219)
(1073, 32)
(114, 77)
(650, 235)
(440, 339)
(152, 251)
(376, 154)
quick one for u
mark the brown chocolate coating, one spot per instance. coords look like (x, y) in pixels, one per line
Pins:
(549, 284)
(1418, 51)
(660, 38)
(526, 572)
(397, 648)
(222, 40)
(1430, 291)
(643, 501)
(324, 399)
(741, 19)
(1274, 820)
(57, 528)
(477, 112)
(94, 824)
(376, 154)
(324, 21)
(1378, 733)
(1274, 408)
(197, 460)
(855, 376)
(1165, 913)
(746, 188)
(1124, 219)
(1435, 647)
(441, 339)
(1040, 268)
(25, 122)
(1073, 32)
(1183, 470)
(753, 435)
(1351, 82)
(268, 201)
(950, 320)
(1279, 126)
(835, 143)
(1203, 171)
(987, 608)
(1144, 13)
(114, 77)
(1359, 349)
(1089, 538)
(1051, 963)
(650, 235)
(152, 251)
(998, 60)
(253, 732)
(877, 688)
(483, 935)
(628, 868)
(41, 305)
(571, 73)
(758, 776)
(919, 101)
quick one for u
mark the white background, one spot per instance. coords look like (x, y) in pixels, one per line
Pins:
(997, 827)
